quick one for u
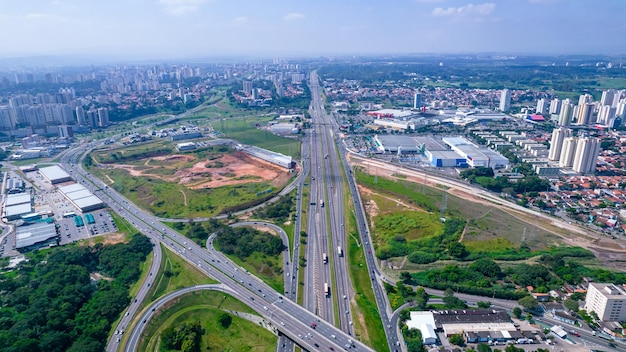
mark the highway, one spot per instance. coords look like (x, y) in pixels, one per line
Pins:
(335, 245)
(296, 320)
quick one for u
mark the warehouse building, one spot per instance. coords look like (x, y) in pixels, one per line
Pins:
(397, 144)
(425, 323)
(285, 128)
(55, 174)
(81, 197)
(445, 158)
(15, 185)
(16, 205)
(476, 156)
(181, 147)
(35, 236)
(268, 155)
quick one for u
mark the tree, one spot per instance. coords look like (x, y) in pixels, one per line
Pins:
(517, 312)
(483, 348)
(571, 305)
(421, 298)
(512, 348)
(529, 303)
(482, 304)
(225, 320)
(487, 267)
(457, 339)
(457, 250)
(405, 276)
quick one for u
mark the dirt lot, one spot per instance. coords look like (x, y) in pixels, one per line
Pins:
(229, 169)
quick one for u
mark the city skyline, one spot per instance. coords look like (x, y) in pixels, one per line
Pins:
(152, 29)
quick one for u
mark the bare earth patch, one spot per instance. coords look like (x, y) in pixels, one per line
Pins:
(237, 168)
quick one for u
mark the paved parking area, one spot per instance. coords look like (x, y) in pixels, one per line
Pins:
(70, 232)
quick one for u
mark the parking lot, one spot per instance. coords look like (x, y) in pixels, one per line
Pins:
(102, 223)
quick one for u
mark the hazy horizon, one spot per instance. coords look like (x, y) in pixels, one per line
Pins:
(178, 29)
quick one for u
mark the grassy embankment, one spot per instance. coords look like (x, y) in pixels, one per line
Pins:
(206, 307)
(367, 323)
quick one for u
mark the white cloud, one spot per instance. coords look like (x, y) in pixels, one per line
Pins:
(181, 7)
(240, 20)
(293, 16)
(469, 9)
(429, 1)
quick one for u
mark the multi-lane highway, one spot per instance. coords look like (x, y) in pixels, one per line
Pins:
(289, 318)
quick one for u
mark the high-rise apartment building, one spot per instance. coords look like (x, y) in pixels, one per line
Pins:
(566, 159)
(584, 99)
(505, 100)
(103, 117)
(607, 97)
(608, 301)
(555, 106)
(567, 110)
(542, 107)
(417, 100)
(587, 151)
(606, 114)
(585, 114)
(247, 87)
(556, 144)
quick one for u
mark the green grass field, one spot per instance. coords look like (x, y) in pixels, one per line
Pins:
(206, 307)
(176, 273)
(488, 226)
(267, 268)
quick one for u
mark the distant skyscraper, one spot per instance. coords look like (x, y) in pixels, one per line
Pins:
(103, 117)
(247, 87)
(505, 100)
(417, 101)
(81, 119)
(555, 106)
(585, 113)
(567, 152)
(66, 131)
(587, 151)
(556, 144)
(565, 116)
(542, 107)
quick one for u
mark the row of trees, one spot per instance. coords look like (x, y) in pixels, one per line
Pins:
(484, 177)
(278, 211)
(50, 304)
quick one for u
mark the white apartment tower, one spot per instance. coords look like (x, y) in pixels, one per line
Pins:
(567, 110)
(247, 87)
(606, 114)
(585, 113)
(555, 106)
(542, 107)
(608, 301)
(556, 144)
(607, 97)
(505, 100)
(587, 150)
(566, 159)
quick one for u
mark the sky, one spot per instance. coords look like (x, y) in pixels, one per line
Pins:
(149, 29)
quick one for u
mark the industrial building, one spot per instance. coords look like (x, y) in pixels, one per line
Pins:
(458, 321)
(35, 236)
(475, 156)
(268, 155)
(285, 128)
(185, 146)
(425, 323)
(16, 205)
(55, 174)
(397, 125)
(81, 197)
(397, 144)
(14, 185)
(445, 158)
(185, 135)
